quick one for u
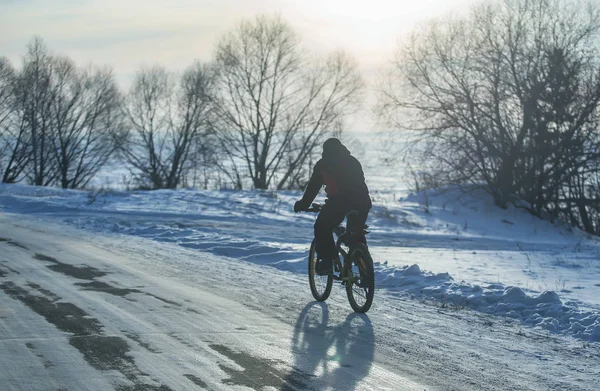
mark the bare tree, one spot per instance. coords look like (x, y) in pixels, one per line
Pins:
(166, 118)
(274, 105)
(63, 121)
(204, 162)
(86, 116)
(507, 97)
(35, 98)
(7, 107)
(7, 78)
(16, 136)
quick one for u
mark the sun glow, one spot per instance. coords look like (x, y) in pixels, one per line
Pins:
(368, 29)
(128, 34)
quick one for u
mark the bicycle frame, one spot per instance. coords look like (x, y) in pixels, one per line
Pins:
(350, 245)
(344, 238)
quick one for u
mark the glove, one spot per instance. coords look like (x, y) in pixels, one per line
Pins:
(298, 206)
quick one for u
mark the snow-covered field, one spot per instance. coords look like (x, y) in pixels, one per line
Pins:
(453, 248)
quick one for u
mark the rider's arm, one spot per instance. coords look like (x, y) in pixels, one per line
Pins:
(314, 185)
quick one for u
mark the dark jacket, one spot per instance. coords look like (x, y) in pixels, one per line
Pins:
(342, 175)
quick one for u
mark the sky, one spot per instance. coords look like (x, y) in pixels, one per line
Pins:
(128, 34)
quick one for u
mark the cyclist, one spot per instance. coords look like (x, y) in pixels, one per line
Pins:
(344, 181)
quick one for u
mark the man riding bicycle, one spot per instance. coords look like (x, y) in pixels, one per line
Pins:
(344, 181)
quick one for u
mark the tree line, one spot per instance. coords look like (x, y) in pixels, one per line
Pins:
(253, 116)
(506, 98)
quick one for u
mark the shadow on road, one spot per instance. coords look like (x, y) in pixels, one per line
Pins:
(334, 356)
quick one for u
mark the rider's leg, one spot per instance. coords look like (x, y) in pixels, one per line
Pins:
(331, 215)
(357, 221)
(362, 221)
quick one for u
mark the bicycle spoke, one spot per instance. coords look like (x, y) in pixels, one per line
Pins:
(322, 281)
(361, 292)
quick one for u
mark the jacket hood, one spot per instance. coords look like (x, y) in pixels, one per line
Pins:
(333, 148)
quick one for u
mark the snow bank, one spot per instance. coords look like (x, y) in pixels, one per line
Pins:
(470, 212)
(545, 310)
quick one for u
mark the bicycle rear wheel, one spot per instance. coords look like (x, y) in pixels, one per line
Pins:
(362, 273)
(320, 286)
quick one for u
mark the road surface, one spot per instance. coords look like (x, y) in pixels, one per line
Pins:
(83, 311)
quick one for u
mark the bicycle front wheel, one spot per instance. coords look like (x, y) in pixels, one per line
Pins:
(361, 287)
(320, 286)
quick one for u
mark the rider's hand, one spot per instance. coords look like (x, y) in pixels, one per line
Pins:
(298, 206)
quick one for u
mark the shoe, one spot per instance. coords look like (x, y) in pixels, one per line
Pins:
(324, 267)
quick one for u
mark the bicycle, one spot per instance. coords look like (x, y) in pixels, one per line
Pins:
(356, 272)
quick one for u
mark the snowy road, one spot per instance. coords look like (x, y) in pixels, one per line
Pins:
(92, 312)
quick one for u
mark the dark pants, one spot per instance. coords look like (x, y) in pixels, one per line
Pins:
(332, 214)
